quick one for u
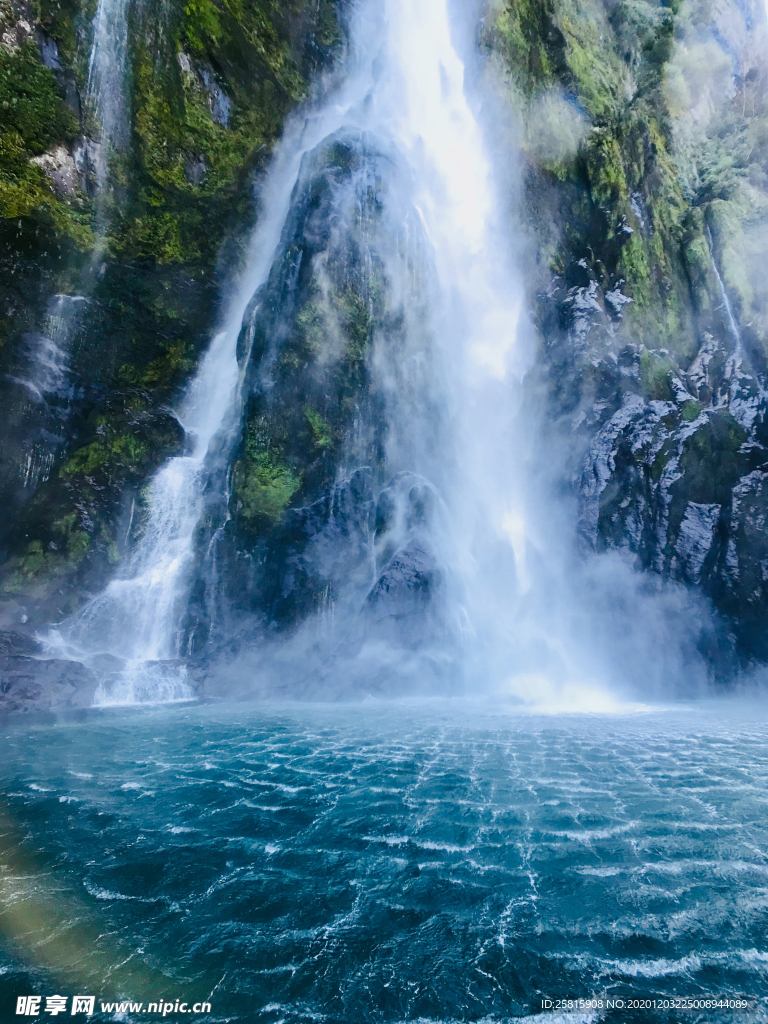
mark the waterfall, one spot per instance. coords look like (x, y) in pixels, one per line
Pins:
(106, 80)
(733, 363)
(136, 619)
(47, 374)
(49, 378)
(514, 601)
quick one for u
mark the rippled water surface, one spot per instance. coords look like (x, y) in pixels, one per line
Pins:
(384, 863)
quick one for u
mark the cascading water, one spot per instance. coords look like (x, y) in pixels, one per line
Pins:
(473, 537)
(511, 603)
(47, 375)
(391, 860)
(137, 618)
(736, 356)
(106, 80)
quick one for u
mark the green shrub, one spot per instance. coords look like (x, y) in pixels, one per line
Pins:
(30, 103)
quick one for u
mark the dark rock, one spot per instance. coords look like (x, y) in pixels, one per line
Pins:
(195, 169)
(32, 684)
(18, 645)
(404, 591)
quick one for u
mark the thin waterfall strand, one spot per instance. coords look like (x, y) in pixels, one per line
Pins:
(106, 79)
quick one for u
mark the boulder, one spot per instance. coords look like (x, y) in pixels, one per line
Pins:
(35, 684)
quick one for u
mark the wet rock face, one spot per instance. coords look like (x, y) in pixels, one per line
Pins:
(60, 166)
(320, 526)
(403, 597)
(679, 483)
(30, 683)
(108, 283)
(309, 463)
(647, 286)
(654, 371)
(670, 444)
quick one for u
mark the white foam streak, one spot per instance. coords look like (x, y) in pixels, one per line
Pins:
(438, 133)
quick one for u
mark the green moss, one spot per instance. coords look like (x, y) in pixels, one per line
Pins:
(691, 411)
(202, 24)
(41, 562)
(597, 69)
(66, 524)
(85, 461)
(655, 373)
(322, 434)
(129, 448)
(175, 363)
(175, 126)
(311, 328)
(34, 559)
(264, 486)
(611, 59)
(519, 31)
(123, 450)
(79, 542)
(511, 34)
(64, 21)
(711, 463)
(30, 103)
(357, 322)
(608, 182)
(263, 483)
(195, 165)
(34, 117)
(328, 33)
(636, 271)
(23, 187)
(159, 238)
(180, 187)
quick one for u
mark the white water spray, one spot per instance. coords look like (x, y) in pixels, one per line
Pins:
(46, 377)
(49, 379)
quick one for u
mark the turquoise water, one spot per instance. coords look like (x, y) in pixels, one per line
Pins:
(385, 862)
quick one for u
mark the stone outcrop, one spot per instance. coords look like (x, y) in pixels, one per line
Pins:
(31, 683)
